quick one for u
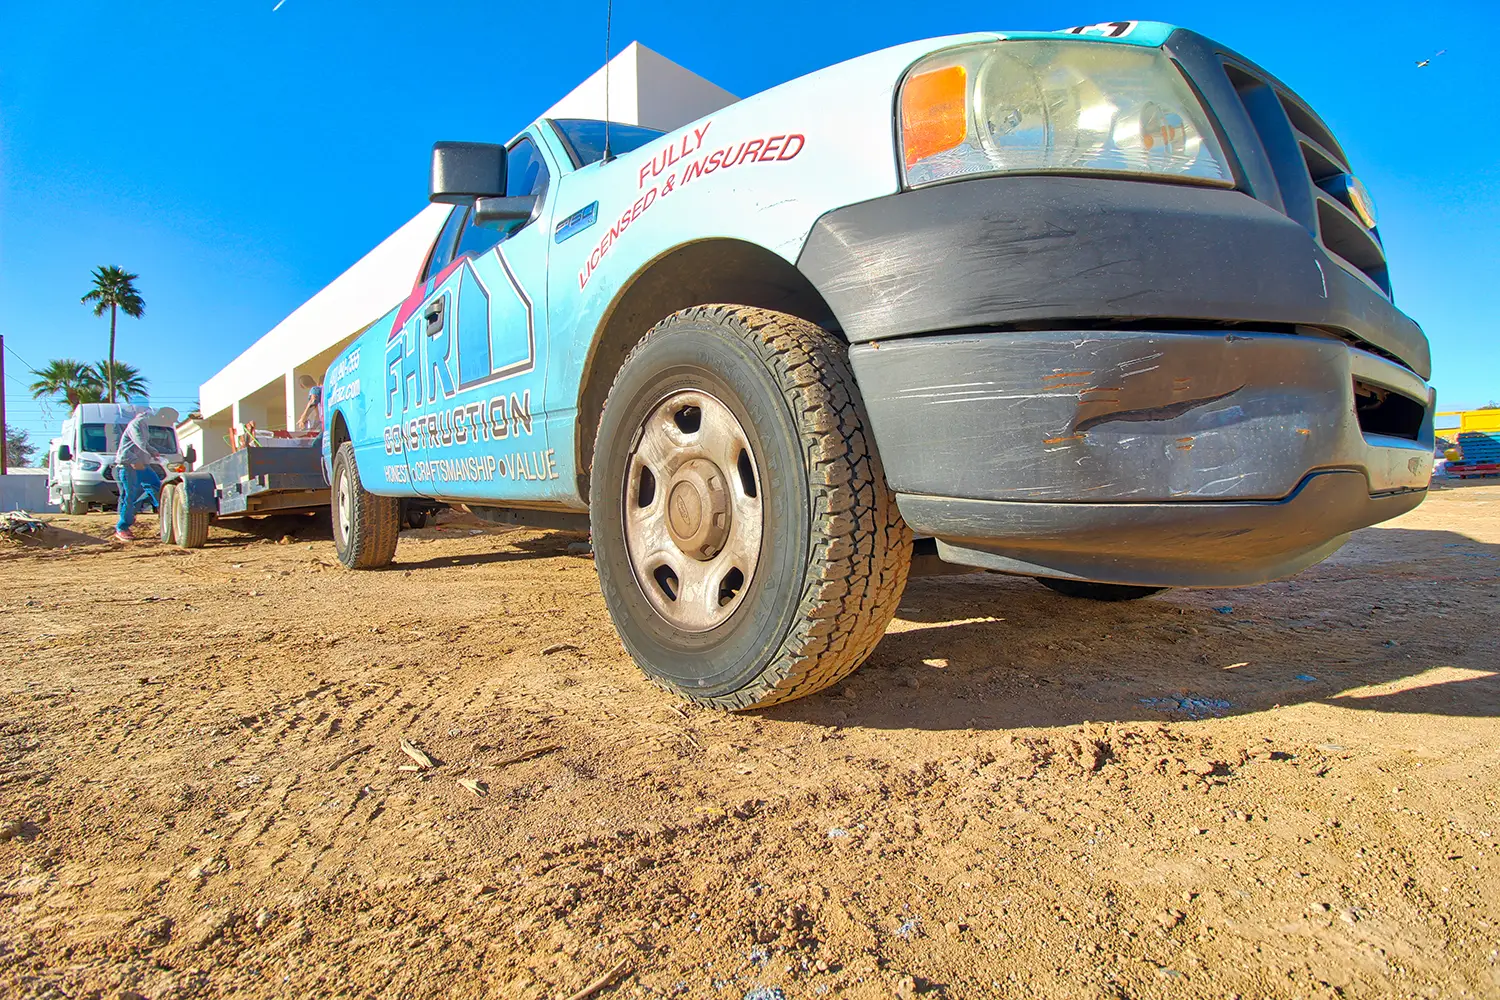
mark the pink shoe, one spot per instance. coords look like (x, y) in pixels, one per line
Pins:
(124, 536)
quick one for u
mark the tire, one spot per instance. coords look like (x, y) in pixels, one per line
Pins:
(168, 513)
(189, 526)
(365, 526)
(810, 525)
(75, 506)
(1098, 591)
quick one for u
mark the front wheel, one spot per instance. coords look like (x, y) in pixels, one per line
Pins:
(1098, 591)
(365, 526)
(748, 547)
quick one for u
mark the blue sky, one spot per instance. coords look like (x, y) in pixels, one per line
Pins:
(238, 158)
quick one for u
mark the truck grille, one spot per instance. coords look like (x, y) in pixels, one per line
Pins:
(1308, 161)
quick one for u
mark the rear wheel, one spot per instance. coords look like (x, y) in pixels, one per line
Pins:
(747, 545)
(365, 526)
(1098, 591)
(74, 505)
(189, 526)
(167, 515)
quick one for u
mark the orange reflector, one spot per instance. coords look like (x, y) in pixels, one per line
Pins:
(934, 114)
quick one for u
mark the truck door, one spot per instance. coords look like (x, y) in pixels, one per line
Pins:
(478, 429)
(405, 352)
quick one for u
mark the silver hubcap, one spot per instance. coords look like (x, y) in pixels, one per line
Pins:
(693, 518)
(346, 507)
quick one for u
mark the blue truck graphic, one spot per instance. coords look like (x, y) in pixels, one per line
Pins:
(1106, 307)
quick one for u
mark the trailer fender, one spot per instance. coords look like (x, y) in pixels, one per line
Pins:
(199, 492)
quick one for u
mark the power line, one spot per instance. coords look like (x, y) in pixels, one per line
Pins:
(18, 357)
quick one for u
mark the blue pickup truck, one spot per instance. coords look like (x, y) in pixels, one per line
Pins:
(1106, 307)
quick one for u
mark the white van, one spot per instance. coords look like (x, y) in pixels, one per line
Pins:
(81, 459)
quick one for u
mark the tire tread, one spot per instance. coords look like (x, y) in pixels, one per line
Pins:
(375, 525)
(860, 545)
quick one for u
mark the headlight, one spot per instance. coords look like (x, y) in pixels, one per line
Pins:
(88, 465)
(1032, 105)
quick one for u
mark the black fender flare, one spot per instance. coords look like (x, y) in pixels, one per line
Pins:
(199, 491)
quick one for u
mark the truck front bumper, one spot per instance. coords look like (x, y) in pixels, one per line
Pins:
(1123, 381)
(1160, 459)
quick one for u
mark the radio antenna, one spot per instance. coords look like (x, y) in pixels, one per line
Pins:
(609, 13)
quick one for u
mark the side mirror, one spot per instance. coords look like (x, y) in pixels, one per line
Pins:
(64, 453)
(465, 171)
(191, 455)
(504, 213)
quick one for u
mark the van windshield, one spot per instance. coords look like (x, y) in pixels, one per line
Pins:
(163, 441)
(103, 439)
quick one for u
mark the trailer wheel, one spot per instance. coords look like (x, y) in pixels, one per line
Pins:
(167, 514)
(748, 547)
(189, 526)
(365, 526)
(1098, 591)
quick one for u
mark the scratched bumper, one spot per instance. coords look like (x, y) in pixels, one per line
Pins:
(1029, 252)
(1040, 448)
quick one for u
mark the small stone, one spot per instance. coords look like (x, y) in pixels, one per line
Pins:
(210, 866)
(913, 682)
(580, 549)
(209, 928)
(906, 988)
(263, 919)
(11, 828)
(952, 927)
(1349, 916)
(154, 931)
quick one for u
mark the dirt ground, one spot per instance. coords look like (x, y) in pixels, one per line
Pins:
(1279, 791)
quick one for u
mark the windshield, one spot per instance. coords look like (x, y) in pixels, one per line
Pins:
(586, 138)
(163, 441)
(101, 439)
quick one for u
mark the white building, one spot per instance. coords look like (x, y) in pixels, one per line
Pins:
(260, 385)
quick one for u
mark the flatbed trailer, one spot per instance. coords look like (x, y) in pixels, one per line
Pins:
(248, 482)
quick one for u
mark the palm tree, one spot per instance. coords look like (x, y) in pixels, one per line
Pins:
(124, 380)
(75, 381)
(114, 289)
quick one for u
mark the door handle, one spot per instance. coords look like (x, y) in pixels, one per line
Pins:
(432, 315)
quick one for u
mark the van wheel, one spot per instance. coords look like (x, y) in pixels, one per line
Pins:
(75, 506)
(167, 515)
(748, 547)
(189, 526)
(365, 526)
(1098, 591)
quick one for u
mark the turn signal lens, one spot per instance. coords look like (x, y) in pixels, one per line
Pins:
(934, 112)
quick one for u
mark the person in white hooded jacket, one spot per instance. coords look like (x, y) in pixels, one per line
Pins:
(133, 456)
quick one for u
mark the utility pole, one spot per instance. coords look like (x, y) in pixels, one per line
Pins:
(4, 430)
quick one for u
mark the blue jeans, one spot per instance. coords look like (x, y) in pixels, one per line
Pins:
(129, 481)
